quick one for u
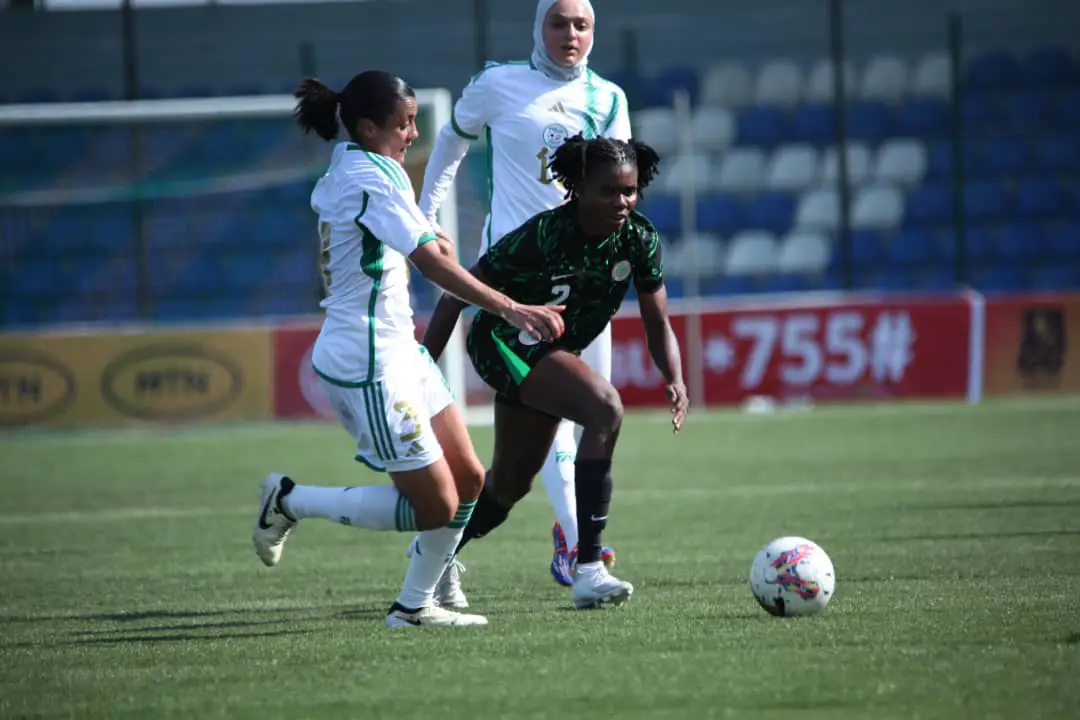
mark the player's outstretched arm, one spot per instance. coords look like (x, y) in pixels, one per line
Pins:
(441, 325)
(664, 349)
(446, 272)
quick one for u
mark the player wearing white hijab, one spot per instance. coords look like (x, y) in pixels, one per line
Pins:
(526, 110)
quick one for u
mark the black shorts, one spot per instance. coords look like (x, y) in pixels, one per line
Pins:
(503, 363)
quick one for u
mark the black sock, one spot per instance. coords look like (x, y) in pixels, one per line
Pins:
(592, 478)
(486, 516)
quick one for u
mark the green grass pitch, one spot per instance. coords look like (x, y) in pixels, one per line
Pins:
(130, 588)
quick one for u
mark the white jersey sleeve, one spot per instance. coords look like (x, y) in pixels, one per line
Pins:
(394, 218)
(474, 109)
(618, 123)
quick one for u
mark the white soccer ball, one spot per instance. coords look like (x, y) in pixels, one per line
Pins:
(791, 577)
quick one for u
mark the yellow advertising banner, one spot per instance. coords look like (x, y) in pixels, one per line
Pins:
(1032, 344)
(121, 378)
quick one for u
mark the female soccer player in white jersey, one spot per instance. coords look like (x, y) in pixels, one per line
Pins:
(526, 110)
(387, 391)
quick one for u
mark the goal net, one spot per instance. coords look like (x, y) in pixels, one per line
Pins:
(188, 210)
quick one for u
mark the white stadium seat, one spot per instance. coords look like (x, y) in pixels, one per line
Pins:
(713, 128)
(702, 254)
(741, 170)
(779, 83)
(726, 85)
(933, 77)
(820, 86)
(858, 164)
(752, 252)
(879, 207)
(818, 210)
(792, 167)
(900, 160)
(884, 78)
(675, 170)
(804, 251)
(656, 126)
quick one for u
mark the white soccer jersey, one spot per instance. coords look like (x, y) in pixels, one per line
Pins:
(368, 225)
(526, 116)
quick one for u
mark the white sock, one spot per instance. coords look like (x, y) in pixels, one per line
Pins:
(375, 507)
(558, 477)
(432, 552)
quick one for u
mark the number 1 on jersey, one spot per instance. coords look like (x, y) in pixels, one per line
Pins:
(545, 173)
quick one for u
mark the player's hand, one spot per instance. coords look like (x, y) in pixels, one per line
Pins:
(540, 321)
(446, 243)
(680, 404)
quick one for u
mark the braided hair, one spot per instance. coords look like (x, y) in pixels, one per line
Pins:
(573, 160)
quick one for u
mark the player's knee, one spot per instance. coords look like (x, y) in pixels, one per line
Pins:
(607, 413)
(509, 484)
(437, 510)
(470, 481)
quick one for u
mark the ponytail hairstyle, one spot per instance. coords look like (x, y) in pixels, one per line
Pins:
(372, 94)
(575, 158)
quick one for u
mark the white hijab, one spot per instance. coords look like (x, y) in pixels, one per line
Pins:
(540, 58)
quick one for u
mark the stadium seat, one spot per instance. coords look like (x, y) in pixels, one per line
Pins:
(985, 201)
(880, 207)
(771, 211)
(1040, 198)
(660, 90)
(858, 164)
(1058, 153)
(752, 252)
(741, 170)
(657, 127)
(818, 210)
(93, 94)
(868, 120)
(722, 214)
(703, 254)
(996, 70)
(713, 128)
(884, 78)
(664, 212)
(114, 276)
(786, 284)
(1068, 110)
(983, 113)
(1064, 241)
(999, 279)
(682, 168)
(762, 125)
(778, 83)
(1028, 111)
(1021, 243)
(1006, 155)
(820, 86)
(814, 124)
(1050, 67)
(914, 247)
(726, 85)
(792, 167)
(923, 117)
(932, 77)
(1057, 278)
(804, 251)
(901, 161)
(867, 250)
(980, 244)
(928, 205)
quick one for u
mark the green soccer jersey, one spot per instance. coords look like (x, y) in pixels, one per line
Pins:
(548, 261)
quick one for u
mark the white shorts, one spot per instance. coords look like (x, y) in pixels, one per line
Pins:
(390, 418)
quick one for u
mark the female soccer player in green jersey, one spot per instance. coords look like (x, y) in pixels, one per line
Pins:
(583, 256)
(526, 110)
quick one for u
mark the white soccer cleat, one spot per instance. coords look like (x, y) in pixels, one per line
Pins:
(431, 616)
(273, 525)
(448, 592)
(595, 587)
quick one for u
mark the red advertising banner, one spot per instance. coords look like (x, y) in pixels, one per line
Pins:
(1031, 344)
(842, 350)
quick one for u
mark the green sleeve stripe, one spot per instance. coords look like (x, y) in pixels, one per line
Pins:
(425, 238)
(391, 169)
(458, 130)
(613, 114)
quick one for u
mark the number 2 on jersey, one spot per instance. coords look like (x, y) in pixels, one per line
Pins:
(559, 293)
(324, 255)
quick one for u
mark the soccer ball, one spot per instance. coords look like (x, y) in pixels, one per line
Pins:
(791, 577)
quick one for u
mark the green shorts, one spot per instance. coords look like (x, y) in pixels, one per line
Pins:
(503, 363)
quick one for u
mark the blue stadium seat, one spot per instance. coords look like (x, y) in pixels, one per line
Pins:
(722, 214)
(675, 287)
(762, 125)
(1040, 198)
(660, 90)
(868, 120)
(1028, 111)
(997, 70)
(38, 95)
(1058, 153)
(866, 250)
(897, 280)
(940, 279)
(1021, 243)
(786, 283)
(986, 201)
(1064, 241)
(176, 308)
(664, 211)
(166, 230)
(297, 268)
(294, 193)
(1075, 209)
(923, 118)
(252, 270)
(1058, 277)
(981, 114)
(1068, 110)
(108, 277)
(93, 94)
(114, 230)
(928, 205)
(999, 279)
(772, 211)
(39, 277)
(981, 244)
(913, 247)
(814, 124)
(205, 274)
(1049, 67)
(726, 285)
(1007, 155)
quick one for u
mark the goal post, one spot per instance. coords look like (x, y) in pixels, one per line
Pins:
(147, 179)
